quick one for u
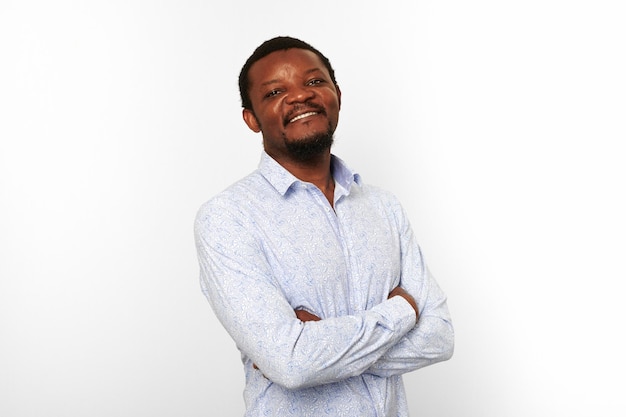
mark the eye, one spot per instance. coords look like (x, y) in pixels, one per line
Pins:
(315, 81)
(272, 93)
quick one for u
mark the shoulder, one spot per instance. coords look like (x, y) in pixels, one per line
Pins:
(379, 195)
(232, 202)
(385, 202)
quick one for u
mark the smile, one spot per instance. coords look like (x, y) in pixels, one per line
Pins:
(302, 116)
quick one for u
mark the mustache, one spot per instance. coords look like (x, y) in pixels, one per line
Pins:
(303, 108)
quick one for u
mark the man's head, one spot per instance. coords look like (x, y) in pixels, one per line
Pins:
(279, 43)
(289, 93)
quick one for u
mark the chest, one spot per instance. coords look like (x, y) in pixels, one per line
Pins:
(333, 262)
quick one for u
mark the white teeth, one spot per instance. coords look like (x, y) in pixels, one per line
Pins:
(302, 116)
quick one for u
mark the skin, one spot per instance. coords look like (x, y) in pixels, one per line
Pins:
(286, 84)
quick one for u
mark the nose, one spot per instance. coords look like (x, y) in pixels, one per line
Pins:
(300, 94)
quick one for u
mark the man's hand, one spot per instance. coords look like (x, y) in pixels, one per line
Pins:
(304, 315)
(402, 293)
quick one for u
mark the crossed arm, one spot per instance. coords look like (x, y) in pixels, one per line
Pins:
(304, 315)
(417, 348)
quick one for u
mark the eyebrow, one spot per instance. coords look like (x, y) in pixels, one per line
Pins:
(276, 80)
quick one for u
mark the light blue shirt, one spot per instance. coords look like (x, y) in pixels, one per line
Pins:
(270, 244)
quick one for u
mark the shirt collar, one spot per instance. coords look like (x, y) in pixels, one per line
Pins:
(282, 180)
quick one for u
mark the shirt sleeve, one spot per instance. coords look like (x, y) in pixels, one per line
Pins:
(432, 339)
(240, 286)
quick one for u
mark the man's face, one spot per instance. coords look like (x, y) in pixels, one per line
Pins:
(294, 101)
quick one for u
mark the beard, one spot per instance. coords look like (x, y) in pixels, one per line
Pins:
(309, 148)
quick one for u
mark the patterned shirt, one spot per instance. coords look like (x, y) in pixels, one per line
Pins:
(270, 244)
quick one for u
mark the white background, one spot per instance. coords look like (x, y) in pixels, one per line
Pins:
(499, 124)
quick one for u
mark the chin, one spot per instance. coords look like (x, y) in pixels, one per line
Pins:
(310, 147)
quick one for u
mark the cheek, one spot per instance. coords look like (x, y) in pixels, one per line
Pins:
(333, 101)
(334, 109)
(266, 120)
(273, 115)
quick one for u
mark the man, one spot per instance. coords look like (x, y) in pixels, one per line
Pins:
(316, 276)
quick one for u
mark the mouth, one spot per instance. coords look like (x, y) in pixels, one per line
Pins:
(303, 112)
(303, 116)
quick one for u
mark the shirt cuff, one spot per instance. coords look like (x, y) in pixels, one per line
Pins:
(398, 314)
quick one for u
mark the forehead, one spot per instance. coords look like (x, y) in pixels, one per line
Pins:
(284, 63)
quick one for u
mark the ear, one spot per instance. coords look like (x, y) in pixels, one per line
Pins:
(338, 95)
(251, 121)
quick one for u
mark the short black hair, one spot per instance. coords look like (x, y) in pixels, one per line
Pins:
(279, 43)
